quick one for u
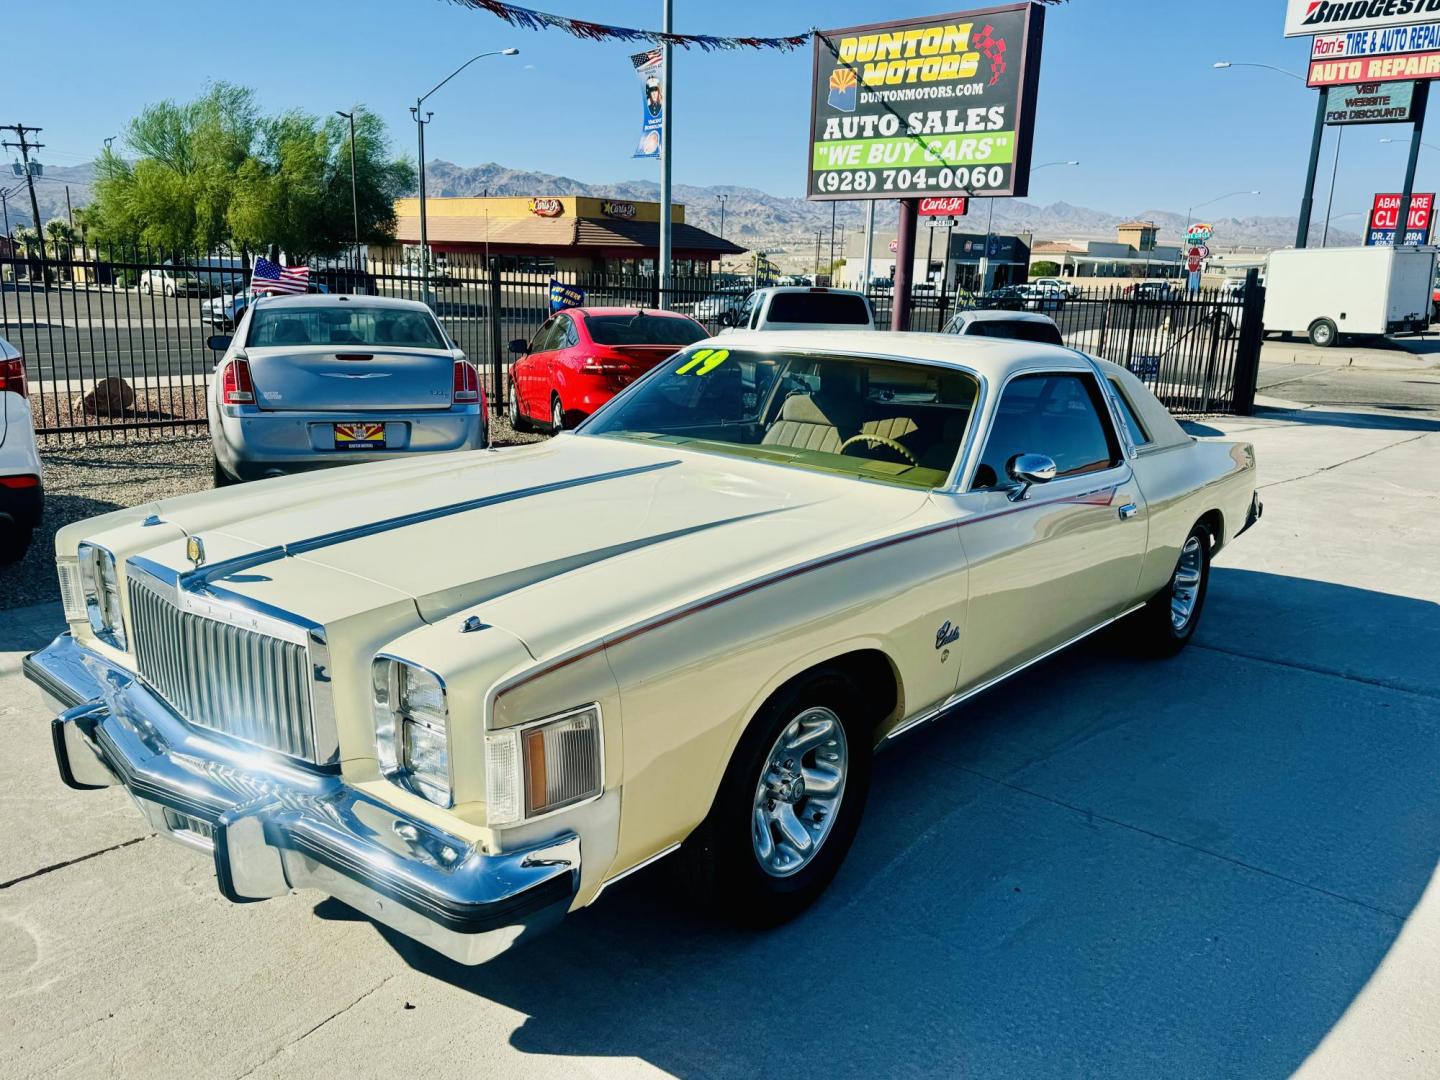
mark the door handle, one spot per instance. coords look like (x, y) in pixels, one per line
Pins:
(1128, 511)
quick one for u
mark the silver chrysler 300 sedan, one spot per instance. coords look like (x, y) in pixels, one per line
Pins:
(309, 382)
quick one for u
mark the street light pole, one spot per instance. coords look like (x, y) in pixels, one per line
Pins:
(354, 198)
(1334, 174)
(722, 199)
(667, 131)
(421, 119)
(417, 111)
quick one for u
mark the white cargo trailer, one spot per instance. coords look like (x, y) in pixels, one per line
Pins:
(1325, 293)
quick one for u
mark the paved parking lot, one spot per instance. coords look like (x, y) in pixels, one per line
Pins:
(1222, 865)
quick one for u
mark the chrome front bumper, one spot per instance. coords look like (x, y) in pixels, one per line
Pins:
(274, 825)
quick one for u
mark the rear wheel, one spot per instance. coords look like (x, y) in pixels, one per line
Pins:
(557, 414)
(1323, 333)
(1167, 622)
(222, 478)
(13, 544)
(788, 806)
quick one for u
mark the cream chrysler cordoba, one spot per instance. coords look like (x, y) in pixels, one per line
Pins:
(464, 694)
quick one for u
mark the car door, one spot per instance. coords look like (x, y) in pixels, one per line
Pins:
(532, 372)
(561, 362)
(1066, 557)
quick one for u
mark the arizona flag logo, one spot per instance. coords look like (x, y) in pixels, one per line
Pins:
(844, 90)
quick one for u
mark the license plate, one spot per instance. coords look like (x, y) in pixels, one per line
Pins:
(359, 436)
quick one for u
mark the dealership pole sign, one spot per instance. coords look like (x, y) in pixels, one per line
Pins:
(942, 106)
(1375, 56)
(1385, 218)
(1304, 18)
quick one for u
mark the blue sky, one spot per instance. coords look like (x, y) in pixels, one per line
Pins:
(1128, 89)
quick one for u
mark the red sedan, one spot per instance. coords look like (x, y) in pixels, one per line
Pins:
(582, 357)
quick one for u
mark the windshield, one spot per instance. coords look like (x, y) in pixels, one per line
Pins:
(343, 325)
(818, 307)
(886, 420)
(643, 329)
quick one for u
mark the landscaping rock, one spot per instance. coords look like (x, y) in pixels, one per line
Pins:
(110, 397)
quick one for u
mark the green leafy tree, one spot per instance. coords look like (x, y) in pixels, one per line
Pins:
(215, 172)
(1045, 269)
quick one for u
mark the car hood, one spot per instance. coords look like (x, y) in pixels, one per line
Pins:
(556, 543)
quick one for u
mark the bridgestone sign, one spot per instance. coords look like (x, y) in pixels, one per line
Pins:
(1304, 18)
(942, 106)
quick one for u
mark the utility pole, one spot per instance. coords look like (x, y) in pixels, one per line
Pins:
(667, 132)
(722, 199)
(25, 146)
(69, 211)
(819, 235)
(354, 199)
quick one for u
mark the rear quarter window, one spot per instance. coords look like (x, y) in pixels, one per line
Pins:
(1138, 435)
(837, 308)
(1016, 330)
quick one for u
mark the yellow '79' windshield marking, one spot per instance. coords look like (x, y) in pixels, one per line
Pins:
(704, 362)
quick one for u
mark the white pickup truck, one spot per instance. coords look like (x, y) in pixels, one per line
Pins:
(1324, 293)
(794, 307)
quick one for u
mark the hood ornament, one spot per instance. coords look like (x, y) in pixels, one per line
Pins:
(195, 551)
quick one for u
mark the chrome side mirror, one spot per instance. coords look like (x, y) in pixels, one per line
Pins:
(1027, 470)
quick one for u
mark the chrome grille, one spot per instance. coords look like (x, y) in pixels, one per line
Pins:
(245, 684)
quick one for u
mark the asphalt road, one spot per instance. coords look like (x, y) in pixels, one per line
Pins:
(1218, 866)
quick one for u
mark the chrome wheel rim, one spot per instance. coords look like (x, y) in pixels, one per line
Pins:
(514, 407)
(797, 800)
(557, 415)
(1185, 586)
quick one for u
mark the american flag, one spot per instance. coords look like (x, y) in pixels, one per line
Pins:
(270, 277)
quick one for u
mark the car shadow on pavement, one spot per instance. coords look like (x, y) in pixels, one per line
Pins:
(1377, 421)
(1108, 867)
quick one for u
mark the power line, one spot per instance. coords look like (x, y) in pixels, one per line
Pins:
(25, 146)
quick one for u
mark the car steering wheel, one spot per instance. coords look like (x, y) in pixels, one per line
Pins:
(891, 443)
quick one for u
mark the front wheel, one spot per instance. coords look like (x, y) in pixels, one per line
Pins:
(1168, 621)
(788, 806)
(518, 420)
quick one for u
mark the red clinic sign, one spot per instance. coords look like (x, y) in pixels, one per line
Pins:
(949, 206)
(1385, 217)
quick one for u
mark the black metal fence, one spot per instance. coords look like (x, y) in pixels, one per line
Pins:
(84, 315)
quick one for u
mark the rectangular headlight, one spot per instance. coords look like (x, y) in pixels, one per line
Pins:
(544, 766)
(411, 728)
(100, 587)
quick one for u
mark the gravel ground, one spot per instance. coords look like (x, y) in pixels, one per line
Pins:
(83, 481)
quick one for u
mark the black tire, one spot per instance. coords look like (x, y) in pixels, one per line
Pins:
(719, 862)
(1152, 630)
(518, 420)
(13, 544)
(223, 478)
(1323, 333)
(557, 414)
